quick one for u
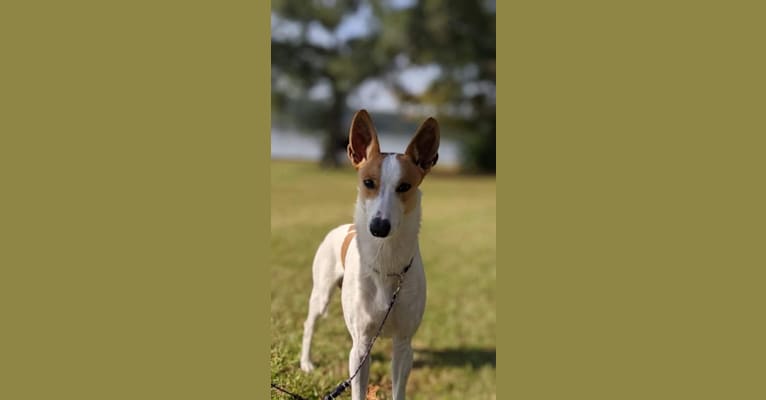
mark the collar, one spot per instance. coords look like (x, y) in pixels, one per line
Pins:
(400, 274)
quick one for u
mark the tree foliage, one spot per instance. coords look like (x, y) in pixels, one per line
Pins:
(456, 36)
(300, 64)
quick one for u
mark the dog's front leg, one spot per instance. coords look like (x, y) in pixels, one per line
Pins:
(401, 363)
(359, 383)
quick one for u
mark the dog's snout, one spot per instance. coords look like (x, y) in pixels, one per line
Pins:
(380, 227)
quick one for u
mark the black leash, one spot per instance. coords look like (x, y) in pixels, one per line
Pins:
(289, 393)
(347, 383)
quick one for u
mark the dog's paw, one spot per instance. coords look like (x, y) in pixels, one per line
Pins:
(307, 366)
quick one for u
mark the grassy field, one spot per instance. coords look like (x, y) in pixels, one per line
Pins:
(455, 345)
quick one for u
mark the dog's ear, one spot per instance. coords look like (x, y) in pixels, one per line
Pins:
(424, 147)
(362, 139)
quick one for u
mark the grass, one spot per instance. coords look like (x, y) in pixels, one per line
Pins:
(455, 345)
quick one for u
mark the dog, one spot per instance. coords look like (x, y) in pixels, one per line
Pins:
(367, 258)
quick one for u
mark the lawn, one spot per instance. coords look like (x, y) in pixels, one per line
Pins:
(455, 345)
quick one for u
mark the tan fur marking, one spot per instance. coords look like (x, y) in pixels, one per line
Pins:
(370, 169)
(346, 242)
(414, 176)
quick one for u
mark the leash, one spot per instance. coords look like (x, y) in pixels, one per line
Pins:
(347, 383)
(287, 392)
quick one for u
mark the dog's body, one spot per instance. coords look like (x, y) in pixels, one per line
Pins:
(381, 245)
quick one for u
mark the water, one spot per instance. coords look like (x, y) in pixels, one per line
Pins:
(294, 145)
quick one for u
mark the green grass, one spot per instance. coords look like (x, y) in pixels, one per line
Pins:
(455, 345)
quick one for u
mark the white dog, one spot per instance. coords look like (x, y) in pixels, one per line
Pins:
(368, 257)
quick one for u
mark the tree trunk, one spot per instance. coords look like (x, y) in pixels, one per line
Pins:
(335, 137)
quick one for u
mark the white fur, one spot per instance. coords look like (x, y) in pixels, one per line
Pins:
(386, 204)
(366, 293)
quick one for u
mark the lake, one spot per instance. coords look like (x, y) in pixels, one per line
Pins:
(295, 145)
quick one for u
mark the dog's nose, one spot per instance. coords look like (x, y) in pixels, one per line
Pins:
(380, 227)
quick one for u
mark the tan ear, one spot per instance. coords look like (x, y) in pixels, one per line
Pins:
(424, 147)
(362, 139)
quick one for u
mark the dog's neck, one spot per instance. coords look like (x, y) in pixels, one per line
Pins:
(391, 254)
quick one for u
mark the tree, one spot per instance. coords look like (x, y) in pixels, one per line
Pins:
(308, 53)
(458, 37)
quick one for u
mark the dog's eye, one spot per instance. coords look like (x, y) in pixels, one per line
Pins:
(369, 184)
(403, 187)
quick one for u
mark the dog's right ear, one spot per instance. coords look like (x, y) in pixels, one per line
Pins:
(362, 139)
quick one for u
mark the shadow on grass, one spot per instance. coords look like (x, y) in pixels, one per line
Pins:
(459, 357)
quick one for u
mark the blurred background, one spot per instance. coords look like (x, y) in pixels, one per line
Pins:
(402, 60)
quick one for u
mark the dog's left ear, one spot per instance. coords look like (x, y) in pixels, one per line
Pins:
(424, 147)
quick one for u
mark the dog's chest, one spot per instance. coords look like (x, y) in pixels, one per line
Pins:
(374, 297)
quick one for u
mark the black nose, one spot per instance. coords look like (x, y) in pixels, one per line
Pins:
(380, 227)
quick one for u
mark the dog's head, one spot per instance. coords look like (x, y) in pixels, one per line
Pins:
(388, 182)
